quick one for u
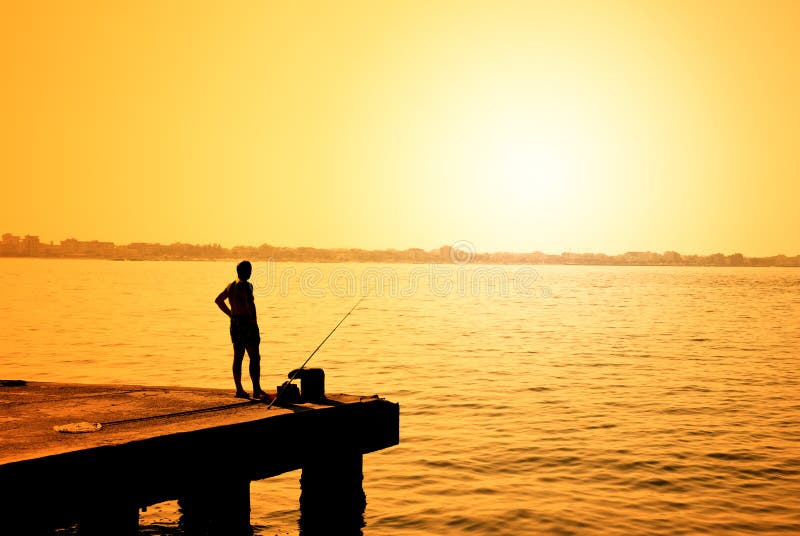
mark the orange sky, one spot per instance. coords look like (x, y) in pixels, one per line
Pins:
(553, 126)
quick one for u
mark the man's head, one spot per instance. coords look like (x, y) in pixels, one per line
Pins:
(244, 269)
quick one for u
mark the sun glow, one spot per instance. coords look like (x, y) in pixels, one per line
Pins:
(534, 160)
(527, 165)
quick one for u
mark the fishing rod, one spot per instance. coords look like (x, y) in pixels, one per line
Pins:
(296, 371)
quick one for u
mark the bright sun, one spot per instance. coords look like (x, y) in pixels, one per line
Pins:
(530, 164)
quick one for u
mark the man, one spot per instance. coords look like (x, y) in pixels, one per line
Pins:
(244, 329)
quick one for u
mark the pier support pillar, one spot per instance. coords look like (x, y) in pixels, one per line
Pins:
(217, 507)
(106, 517)
(332, 499)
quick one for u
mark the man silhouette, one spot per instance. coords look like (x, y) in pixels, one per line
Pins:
(244, 329)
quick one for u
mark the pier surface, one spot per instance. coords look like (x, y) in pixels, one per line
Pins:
(162, 443)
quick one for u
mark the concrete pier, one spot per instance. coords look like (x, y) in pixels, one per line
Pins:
(200, 446)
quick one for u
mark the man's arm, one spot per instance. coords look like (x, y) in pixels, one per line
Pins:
(220, 301)
(253, 304)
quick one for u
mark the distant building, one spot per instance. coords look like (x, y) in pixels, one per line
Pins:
(30, 246)
(145, 250)
(69, 247)
(93, 248)
(96, 248)
(10, 245)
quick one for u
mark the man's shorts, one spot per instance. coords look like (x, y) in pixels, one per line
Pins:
(244, 333)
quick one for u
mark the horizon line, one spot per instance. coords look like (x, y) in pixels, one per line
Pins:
(464, 246)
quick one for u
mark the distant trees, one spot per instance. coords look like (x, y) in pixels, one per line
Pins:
(737, 259)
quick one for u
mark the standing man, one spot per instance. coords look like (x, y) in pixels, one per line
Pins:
(244, 329)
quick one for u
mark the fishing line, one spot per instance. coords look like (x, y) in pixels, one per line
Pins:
(296, 372)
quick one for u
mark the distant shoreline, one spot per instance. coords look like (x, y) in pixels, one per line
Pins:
(475, 263)
(761, 262)
(458, 253)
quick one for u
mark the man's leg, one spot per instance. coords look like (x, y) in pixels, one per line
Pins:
(255, 367)
(238, 357)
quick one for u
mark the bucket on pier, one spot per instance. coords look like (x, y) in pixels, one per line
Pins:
(288, 393)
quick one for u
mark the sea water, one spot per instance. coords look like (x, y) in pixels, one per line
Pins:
(533, 399)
